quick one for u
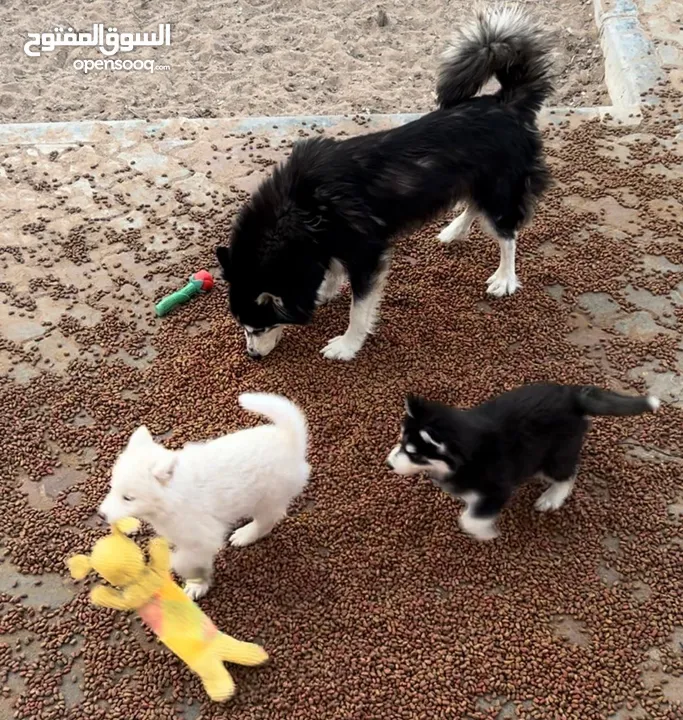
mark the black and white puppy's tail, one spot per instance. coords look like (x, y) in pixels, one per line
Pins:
(596, 401)
(501, 42)
(281, 412)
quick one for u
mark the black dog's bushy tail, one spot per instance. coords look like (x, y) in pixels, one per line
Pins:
(595, 401)
(502, 42)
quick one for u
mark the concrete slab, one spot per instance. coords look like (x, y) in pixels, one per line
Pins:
(632, 67)
(180, 132)
(661, 20)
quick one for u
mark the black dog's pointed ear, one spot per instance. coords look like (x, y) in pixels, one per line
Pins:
(413, 405)
(223, 256)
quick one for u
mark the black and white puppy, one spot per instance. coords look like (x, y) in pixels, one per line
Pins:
(332, 209)
(482, 454)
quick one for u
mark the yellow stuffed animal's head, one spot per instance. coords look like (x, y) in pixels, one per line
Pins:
(116, 558)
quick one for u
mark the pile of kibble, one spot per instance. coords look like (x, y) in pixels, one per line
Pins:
(369, 600)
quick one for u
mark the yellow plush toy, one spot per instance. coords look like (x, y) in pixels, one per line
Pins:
(177, 621)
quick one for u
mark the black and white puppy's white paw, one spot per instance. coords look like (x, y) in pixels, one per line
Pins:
(483, 529)
(555, 496)
(473, 522)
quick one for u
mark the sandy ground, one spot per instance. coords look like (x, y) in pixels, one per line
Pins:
(264, 57)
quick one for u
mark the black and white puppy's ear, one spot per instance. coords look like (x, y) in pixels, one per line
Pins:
(224, 258)
(413, 405)
(164, 467)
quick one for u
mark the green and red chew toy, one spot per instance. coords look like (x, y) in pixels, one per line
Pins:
(200, 282)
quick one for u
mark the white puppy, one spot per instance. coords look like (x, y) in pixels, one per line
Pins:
(195, 495)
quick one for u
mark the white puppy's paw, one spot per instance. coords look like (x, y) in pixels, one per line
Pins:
(196, 589)
(501, 284)
(340, 348)
(245, 535)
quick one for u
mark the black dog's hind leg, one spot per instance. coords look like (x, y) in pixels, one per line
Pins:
(367, 296)
(460, 226)
(332, 283)
(504, 281)
(506, 211)
(560, 469)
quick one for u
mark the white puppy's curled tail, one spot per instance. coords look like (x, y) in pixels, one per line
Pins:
(283, 413)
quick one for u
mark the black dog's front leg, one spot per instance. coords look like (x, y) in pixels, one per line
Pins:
(367, 295)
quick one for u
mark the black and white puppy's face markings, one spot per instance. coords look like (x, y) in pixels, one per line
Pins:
(409, 459)
(419, 450)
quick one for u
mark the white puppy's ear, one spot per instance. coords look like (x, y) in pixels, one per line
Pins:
(142, 436)
(164, 467)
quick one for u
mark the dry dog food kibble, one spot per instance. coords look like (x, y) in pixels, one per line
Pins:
(369, 600)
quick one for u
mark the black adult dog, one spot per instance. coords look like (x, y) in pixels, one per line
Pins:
(332, 209)
(481, 455)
